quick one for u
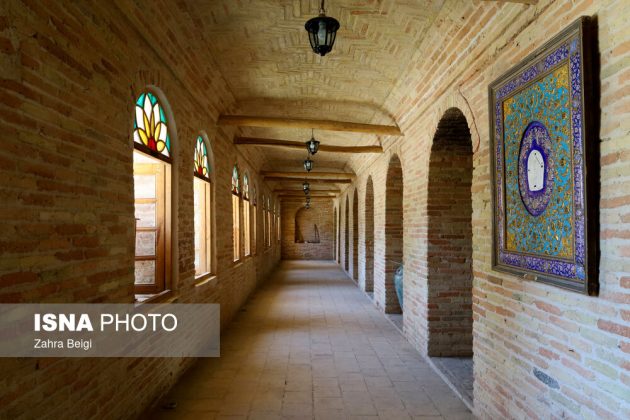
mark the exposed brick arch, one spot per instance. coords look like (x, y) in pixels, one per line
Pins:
(346, 261)
(449, 253)
(393, 231)
(355, 236)
(369, 236)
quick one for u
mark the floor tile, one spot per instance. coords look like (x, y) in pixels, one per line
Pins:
(311, 345)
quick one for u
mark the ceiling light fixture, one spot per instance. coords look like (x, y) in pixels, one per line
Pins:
(312, 145)
(308, 163)
(322, 31)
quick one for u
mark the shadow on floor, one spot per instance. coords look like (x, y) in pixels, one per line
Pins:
(459, 372)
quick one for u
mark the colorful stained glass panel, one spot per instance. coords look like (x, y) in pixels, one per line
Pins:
(202, 168)
(245, 187)
(150, 127)
(236, 187)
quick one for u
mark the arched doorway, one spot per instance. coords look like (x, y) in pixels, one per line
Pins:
(346, 264)
(449, 208)
(338, 215)
(393, 232)
(449, 251)
(355, 236)
(369, 236)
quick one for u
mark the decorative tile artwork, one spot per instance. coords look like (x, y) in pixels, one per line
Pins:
(541, 142)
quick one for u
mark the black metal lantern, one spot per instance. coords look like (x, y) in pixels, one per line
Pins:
(308, 205)
(306, 186)
(312, 145)
(308, 164)
(322, 31)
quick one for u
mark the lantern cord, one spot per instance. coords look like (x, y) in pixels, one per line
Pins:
(472, 115)
(321, 8)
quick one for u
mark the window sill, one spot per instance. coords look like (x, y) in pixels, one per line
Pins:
(167, 296)
(206, 280)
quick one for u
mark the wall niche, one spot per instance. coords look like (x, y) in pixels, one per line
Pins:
(306, 226)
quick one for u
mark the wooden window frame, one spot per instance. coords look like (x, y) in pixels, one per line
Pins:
(254, 229)
(163, 255)
(247, 245)
(206, 246)
(236, 227)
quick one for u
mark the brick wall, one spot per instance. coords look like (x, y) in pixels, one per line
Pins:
(525, 333)
(70, 76)
(321, 214)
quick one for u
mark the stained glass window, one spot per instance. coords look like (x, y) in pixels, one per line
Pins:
(150, 128)
(245, 187)
(202, 168)
(236, 186)
(254, 220)
(264, 219)
(246, 216)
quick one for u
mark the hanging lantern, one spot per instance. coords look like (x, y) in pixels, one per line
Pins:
(322, 31)
(312, 145)
(308, 164)
(307, 191)
(306, 186)
(308, 205)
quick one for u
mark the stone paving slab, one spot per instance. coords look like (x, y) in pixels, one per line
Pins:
(309, 345)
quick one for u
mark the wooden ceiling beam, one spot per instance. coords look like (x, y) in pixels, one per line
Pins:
(302, 145)
(310, 180)
(530, 2)
(308, 175)
(296, 198)
(300, 190)
(252, 121)
(312, 194)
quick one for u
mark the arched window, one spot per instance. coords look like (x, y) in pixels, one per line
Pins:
(254, 202)
(246, 224)
(152, 158)
(278, 220)
(269, 221)
(264, 220)
(236, 225)
(203, 208)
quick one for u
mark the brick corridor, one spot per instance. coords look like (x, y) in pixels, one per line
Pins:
(309, 344)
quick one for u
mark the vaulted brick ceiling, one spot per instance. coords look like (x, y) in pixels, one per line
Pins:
(263, 52)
